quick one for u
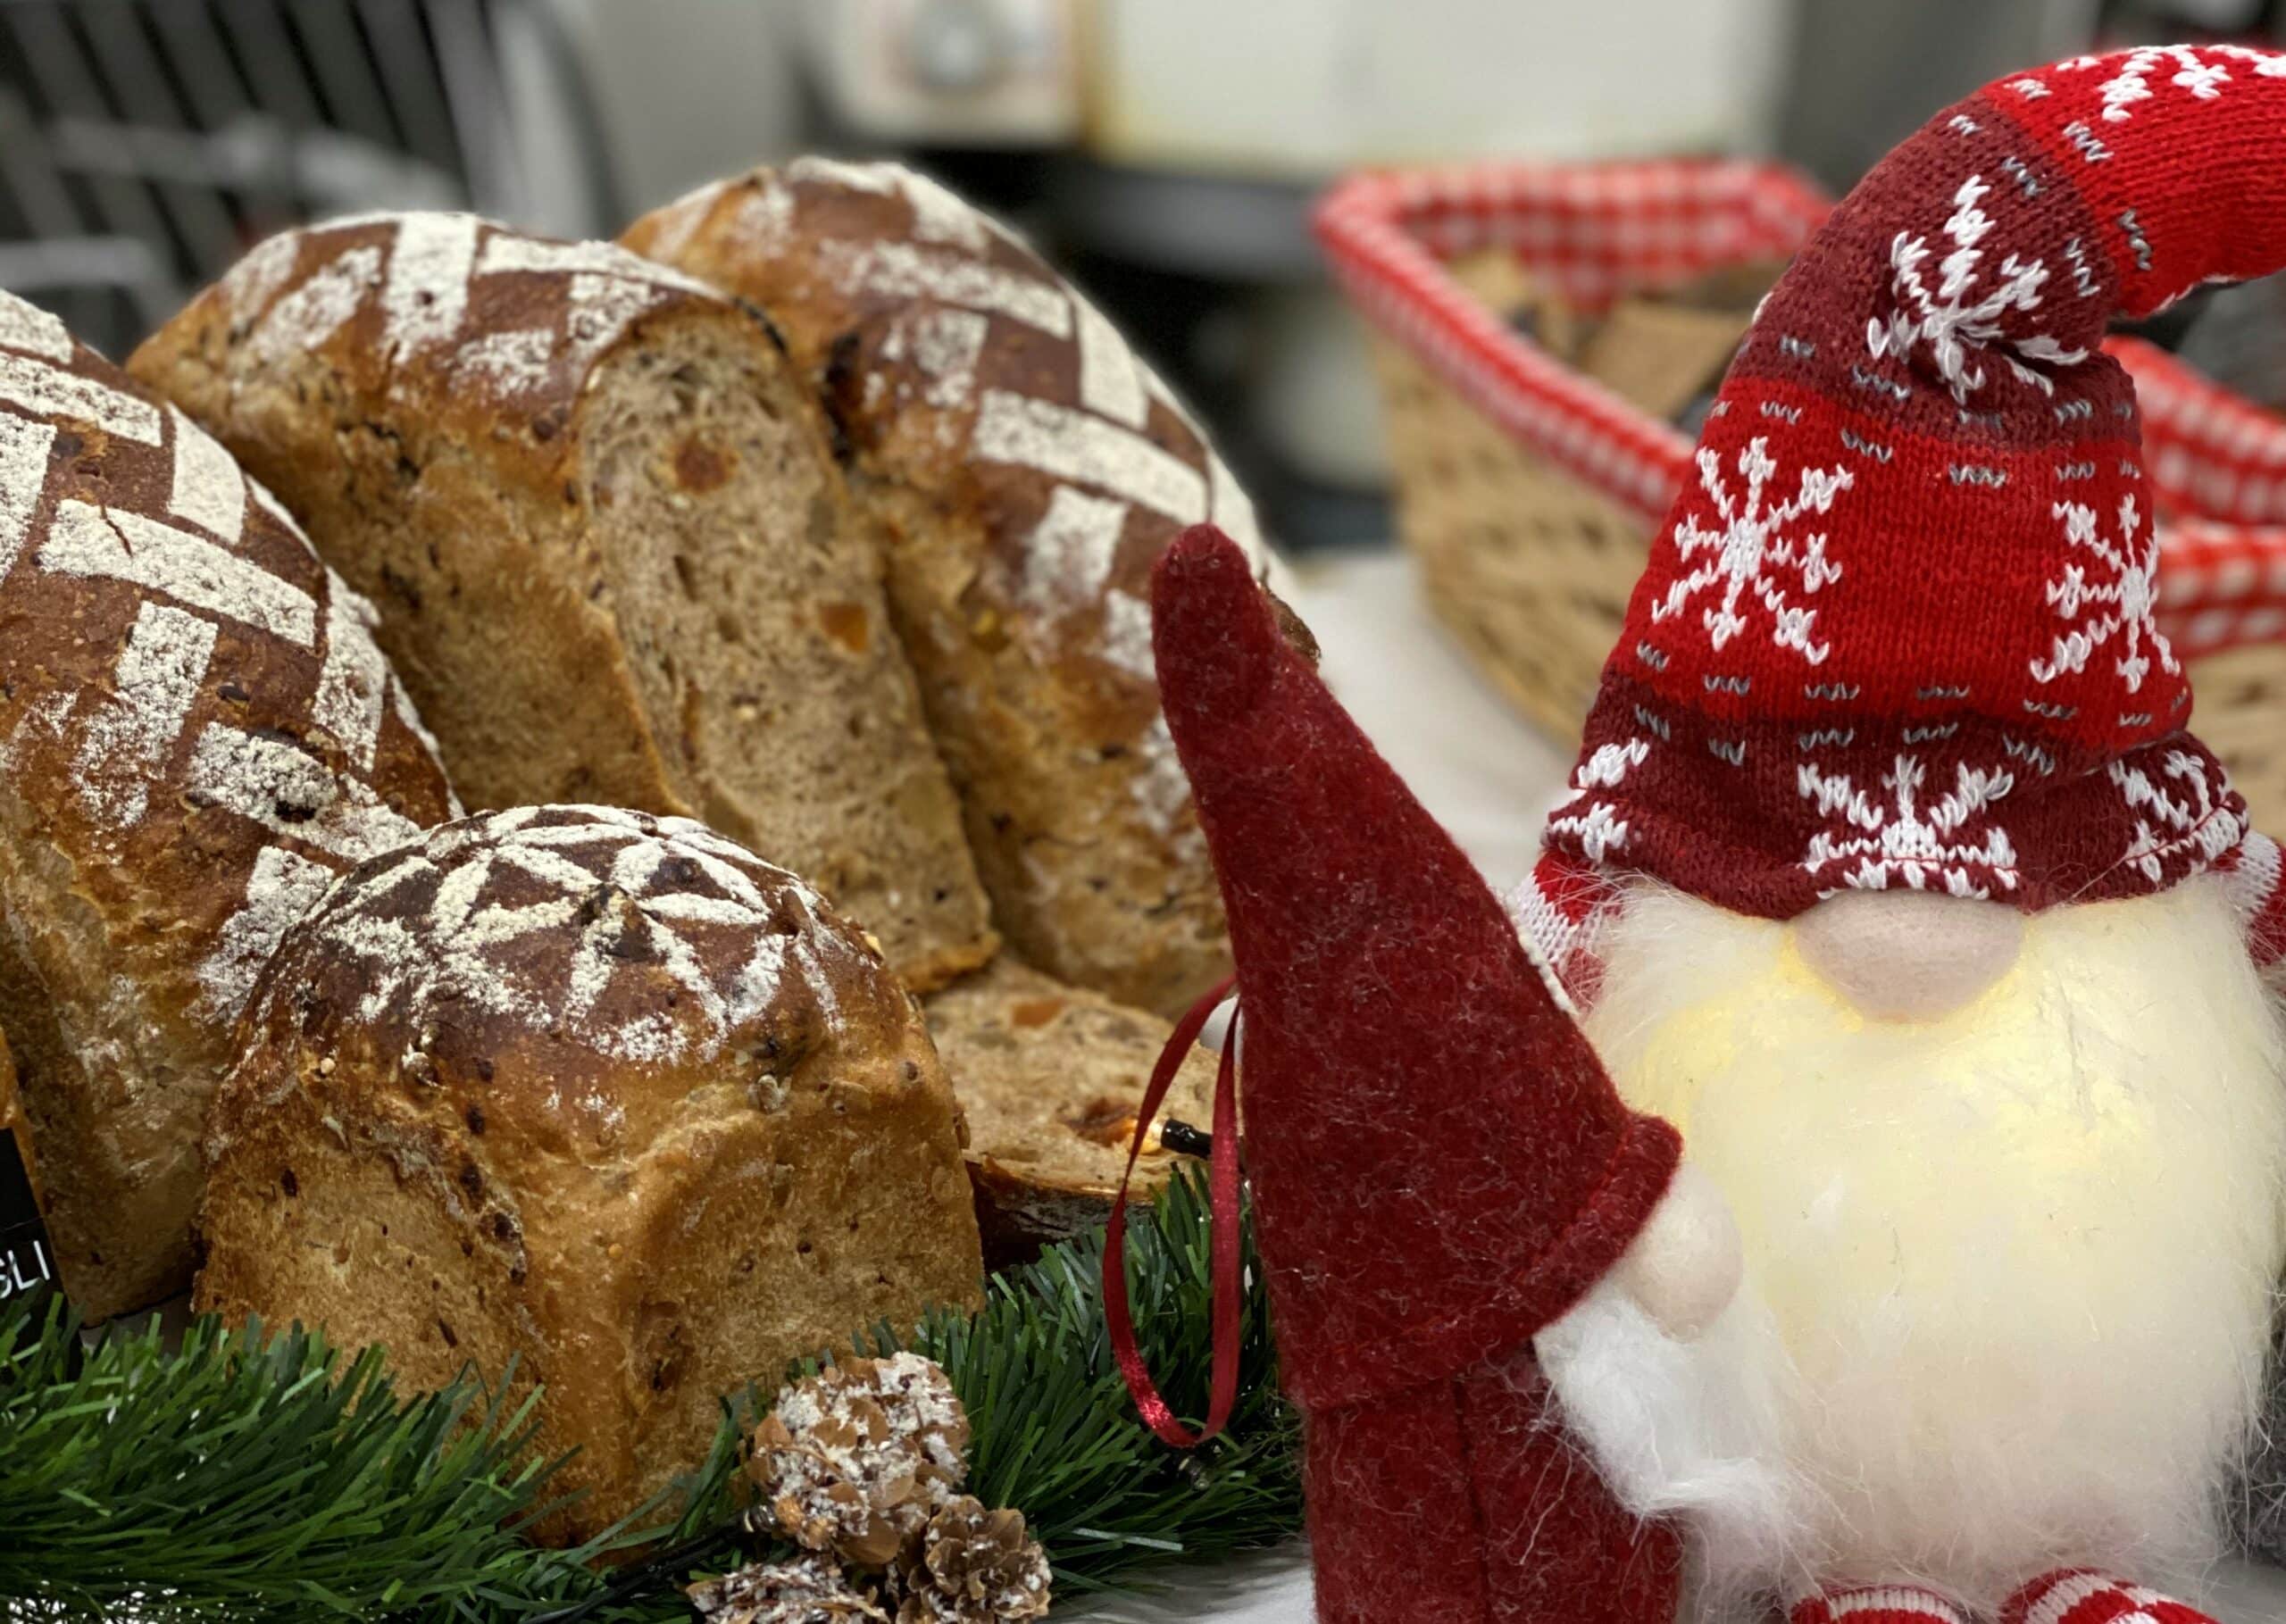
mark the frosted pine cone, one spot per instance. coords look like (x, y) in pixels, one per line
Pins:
(972, 1566)
(856, 1459)
(807, 1590)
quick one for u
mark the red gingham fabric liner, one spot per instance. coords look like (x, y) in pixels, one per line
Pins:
(2217, 462)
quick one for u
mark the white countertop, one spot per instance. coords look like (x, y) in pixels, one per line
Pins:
(1490, 777)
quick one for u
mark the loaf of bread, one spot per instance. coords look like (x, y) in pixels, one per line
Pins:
(1051, 1078)
(599, 1091)
(197, 735)
(1025, 468)
(612, 552)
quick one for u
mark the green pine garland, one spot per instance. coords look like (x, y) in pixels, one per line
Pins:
(252, 1475)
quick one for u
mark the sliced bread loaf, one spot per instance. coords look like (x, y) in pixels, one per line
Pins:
(1025, 468)
(197, 735)
(611, 549)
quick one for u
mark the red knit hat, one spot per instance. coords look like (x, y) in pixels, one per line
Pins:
(1439, 1164)
(1898, 631)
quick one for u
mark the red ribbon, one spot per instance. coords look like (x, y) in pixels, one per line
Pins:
(1223, 1191)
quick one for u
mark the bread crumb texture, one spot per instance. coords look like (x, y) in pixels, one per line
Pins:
(1051, 1077)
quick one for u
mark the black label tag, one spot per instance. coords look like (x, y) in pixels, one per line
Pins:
(27, 1261)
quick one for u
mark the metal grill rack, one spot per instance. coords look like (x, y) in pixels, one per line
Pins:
(146, 143)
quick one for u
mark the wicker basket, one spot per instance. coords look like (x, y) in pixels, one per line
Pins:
(1528, 492)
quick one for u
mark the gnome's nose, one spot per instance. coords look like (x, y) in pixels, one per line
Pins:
(1909, 956)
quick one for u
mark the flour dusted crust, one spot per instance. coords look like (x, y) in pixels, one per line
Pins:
(1026, 469)
(613, 559)
(197, 734)
(601, 1092)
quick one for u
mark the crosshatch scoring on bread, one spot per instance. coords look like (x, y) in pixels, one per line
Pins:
(569, 920)
(433, 273)
(198, 733)
(599, 511)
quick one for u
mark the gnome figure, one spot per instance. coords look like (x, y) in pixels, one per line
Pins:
(1893, 878)
(1441, 1170)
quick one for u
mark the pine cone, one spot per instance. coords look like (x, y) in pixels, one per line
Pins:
(972, 1566)
(807, 1590)
(856, 1459)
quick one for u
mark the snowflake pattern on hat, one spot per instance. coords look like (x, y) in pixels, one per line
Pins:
(1944, 323)
(1753, 547)
(1875, 838)
(2129, 591)
(1902, 629)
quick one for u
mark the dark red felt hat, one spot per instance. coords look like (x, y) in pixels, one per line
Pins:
(1439, 1164)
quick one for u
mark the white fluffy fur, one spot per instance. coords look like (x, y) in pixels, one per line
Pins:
(2009, 1273)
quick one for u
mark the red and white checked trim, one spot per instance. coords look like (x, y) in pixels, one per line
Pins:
(1877, 1604)
(2218, 463)
(2079, 1597)
(2207, 450)
(1592, 230)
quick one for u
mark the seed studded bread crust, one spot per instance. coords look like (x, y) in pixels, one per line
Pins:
(600, 1091)
(1025, 468)
(613, 555)
(197, 735)
(1051, 1078)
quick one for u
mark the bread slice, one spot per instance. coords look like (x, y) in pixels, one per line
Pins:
(1025, 469)
(197, 735)
(1051, 1077)
(601, 1093)
(611, 551)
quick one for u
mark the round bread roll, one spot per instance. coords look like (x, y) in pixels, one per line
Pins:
(598, 1091)
(197, 735)
(1025, 468)
(613, 555)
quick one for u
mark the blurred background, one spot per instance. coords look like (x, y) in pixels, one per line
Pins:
(1165, 152)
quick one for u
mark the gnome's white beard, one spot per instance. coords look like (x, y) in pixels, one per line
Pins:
(2009, 1274)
